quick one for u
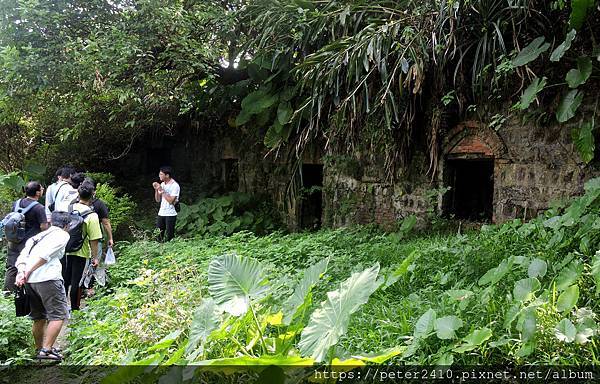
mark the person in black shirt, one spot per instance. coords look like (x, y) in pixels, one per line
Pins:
(35, 222)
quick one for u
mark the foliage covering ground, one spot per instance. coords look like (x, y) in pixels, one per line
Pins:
(516, 293)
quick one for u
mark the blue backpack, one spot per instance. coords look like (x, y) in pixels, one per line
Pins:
(13, 225)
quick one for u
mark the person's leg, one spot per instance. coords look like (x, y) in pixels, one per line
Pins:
(52, 331)
(161, 225)
(37, 314)
(78, 266)
(55, 304)
(38, 332)
(170, 227)
(11, 271)
(68, 272)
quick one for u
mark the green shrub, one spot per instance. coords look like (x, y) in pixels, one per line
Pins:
(227, 214)
(121, 206)
(15, 332)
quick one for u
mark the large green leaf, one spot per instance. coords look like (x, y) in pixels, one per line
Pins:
(579, 11)
(537, 268)
(233, 281)
(583, 138)
(569, 105)
(381, 357)
(525, 288)
(565, 331)
(568, 299)
(531, 52)
(425, 323)
(473, 340)
(569, 275)
(527, 323)
(330, 320)
(531, 92)
(446, 326)
(301, 299)
(204, 321)
(558, 53)
(494, 275)
(284, 113)
(577, 76)
(258, 101)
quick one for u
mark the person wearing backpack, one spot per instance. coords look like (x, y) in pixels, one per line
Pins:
(68, 193)
(82, 247)
(27, 219)
(39, 269)
(167, 194)
(54, 189)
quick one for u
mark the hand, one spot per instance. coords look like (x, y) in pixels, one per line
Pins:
(155, 185)
(20, 280)
(95, 262)
(110, 243)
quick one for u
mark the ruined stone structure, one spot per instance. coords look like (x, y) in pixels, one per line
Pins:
(484, 174)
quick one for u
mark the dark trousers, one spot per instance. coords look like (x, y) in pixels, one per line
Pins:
(10, 276)
(166, 224)
(72, 272)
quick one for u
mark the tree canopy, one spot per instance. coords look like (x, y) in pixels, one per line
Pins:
(374, 75)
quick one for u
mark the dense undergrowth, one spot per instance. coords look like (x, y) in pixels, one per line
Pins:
(517, 293)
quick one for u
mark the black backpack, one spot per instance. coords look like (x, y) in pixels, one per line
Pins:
(76, 237)
(14, 224)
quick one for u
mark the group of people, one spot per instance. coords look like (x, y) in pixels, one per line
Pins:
(45, 262)
(51, 257)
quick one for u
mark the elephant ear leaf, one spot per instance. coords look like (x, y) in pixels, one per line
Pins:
(531, 92)
(301, 299)
(577, 76)
(563, 47)
(531, 52)
(330, 321)
(569, 105)
(234, 281)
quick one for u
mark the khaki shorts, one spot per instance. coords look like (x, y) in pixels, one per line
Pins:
(48, 300)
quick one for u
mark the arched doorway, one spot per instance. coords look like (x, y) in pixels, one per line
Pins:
(471, 153)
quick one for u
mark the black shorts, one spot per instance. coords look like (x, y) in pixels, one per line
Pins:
(48, 300)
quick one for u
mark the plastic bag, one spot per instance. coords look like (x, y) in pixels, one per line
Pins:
(88, 273)
(100, 276)
(110, 257)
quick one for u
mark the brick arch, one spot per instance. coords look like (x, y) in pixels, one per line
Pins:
(474, 139)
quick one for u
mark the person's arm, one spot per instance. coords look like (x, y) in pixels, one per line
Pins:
(108, 230)
(157, 191)
(24, 272)
(170, 199)
(94, 247)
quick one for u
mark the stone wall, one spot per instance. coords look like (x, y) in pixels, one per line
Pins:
(533, 167)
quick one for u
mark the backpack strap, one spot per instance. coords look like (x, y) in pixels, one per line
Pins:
(23, 211)
(17, 206)
(58, 190)
(37, 241)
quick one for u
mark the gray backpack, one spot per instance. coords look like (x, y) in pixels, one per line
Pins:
(13, 225)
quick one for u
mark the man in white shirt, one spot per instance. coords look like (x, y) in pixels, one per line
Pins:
(167, 193)
(68, 193)
(40, 271)
(54, 188)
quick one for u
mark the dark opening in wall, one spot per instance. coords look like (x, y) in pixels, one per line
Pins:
(472, 189)
(156, 158)
(311, 197)
(229, 175)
